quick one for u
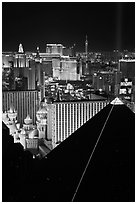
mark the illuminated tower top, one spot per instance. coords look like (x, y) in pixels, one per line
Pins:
(20, 48)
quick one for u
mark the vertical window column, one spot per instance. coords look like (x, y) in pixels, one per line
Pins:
(75, 115)
(58, 124)
(67, 119)
(70, 118)
(87, 111)
(93, 108)
(61, 122)
(79, 115)
(82, 110)
(64, 135)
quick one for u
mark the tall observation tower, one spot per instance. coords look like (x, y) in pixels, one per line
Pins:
(86, 51)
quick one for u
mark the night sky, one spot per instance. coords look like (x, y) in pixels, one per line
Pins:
(108, 25)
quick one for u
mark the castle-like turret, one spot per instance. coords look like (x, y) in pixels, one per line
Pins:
(12, 114)
(9, 118)
(29, 134)
(42, 122)
(28, 125)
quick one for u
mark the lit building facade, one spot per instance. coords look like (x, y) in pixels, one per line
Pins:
(24, 65)
(7, 57)
(127, 68)
(19, 59)
(126, 89)
(54, 49)
(28, 69)
(68, 69)
(108, 81)
(25, 102)
(65, 68)
(64, 118)
(56, 68)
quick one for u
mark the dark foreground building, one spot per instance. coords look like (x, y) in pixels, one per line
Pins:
(108, 138)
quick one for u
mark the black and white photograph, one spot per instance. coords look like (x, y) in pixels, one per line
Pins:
(68, 101)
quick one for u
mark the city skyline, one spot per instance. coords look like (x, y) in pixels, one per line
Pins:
(68, 101)
(36, 24)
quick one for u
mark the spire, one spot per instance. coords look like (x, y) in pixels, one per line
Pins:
(20, 48)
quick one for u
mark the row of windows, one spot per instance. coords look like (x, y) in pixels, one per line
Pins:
(70, 106)
(86, 111)
(32, 143)
(69, 117)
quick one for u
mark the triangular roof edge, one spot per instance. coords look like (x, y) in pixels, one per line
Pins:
(116, 101)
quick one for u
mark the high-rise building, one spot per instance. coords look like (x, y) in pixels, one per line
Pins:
(25, 102)
(19, 59)
(69, 51)
(127, 67)
(108, 81)
(65, 68)
(54, 49)
(47, 67)
(126, 89)
(86, 52)
(64, 118)
(7, 57)
(68, 69)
